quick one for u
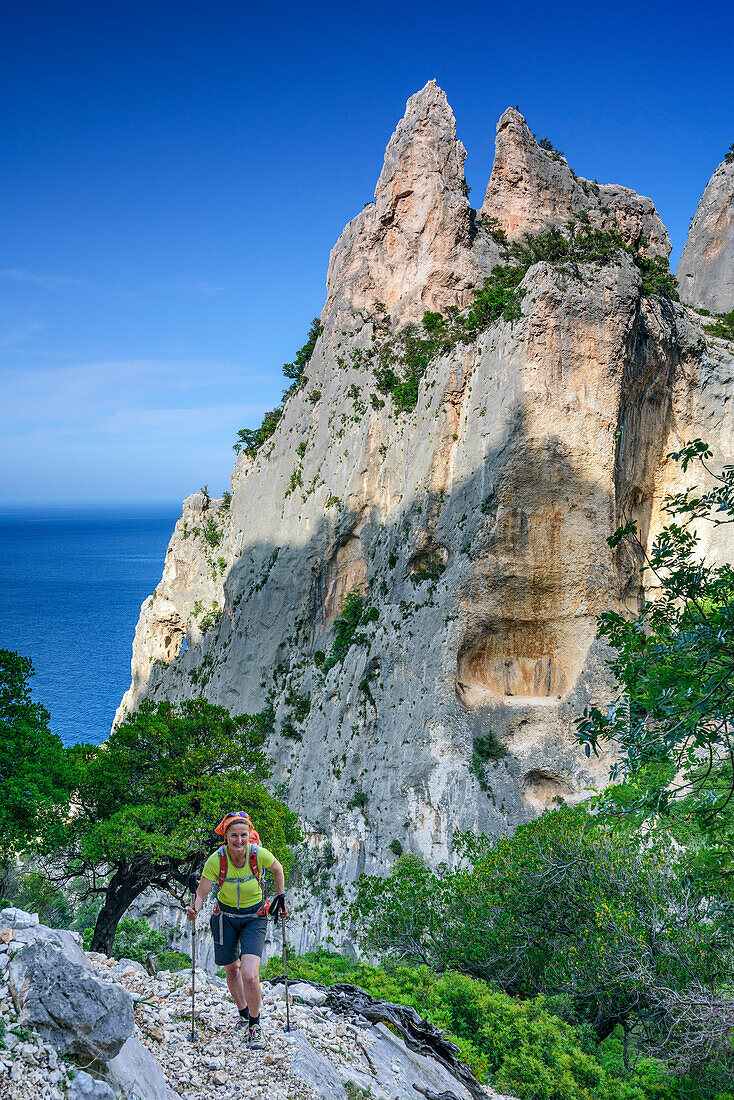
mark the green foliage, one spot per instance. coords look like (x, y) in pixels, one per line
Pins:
(358, 801)
(486, 750)
(516, 1046)
(428, 567)
(295, 369)
(250, 440)
(206, 617)
(567, 906)
(356, 1092)
(300, 704)
(396, 847)
(671, 721)
(722, 326)
(212, 532)
(135, 939)
(355, 612)
(657, 279)
(34, 774)
(28, 889)
(404, 359)
(226, 500)
(498, 298)
(729, 155)
(546, 144)
(148, 799)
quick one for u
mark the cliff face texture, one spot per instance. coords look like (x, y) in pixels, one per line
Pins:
(474, 526)
(706, 269)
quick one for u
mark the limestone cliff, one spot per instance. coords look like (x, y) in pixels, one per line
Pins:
(706, 269)
(474, 525)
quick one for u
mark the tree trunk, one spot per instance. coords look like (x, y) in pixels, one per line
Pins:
(123, 889)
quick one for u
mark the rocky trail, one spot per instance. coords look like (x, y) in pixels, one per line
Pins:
(82, 1026)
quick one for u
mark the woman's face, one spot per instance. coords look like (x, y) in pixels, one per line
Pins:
(237, 836)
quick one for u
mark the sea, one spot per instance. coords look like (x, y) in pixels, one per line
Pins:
(72, 581)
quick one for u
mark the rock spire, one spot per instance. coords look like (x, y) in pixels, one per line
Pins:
(706, 269)
(532, 187)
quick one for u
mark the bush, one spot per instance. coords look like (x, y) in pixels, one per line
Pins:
(722, 326)
(355, 612)
(568, 905)
(514, 1045)
(135, 939)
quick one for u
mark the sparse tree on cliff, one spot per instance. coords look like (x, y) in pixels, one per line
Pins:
(146, 801)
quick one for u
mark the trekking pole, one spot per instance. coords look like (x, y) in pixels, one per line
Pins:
(193, 884)
(285, 976)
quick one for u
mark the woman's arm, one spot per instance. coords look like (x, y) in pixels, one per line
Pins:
(205, 885)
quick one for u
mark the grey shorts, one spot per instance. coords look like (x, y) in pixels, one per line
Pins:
(237, 932)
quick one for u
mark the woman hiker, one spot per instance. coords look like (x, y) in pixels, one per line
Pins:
(237, 926)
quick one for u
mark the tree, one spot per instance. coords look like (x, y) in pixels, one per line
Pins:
(146, 802)
(295, 370)
(609, 922)
(671, 723)
(34, 776)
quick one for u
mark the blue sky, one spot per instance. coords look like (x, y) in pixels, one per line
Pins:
(174, 175)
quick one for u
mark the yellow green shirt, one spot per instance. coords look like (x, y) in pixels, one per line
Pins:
(249, 892)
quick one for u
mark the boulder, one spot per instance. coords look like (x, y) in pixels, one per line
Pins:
(313, 1068)
(302, 991)
(17, 918)
(136, 1073)
(86, 1087)
(73, 1009)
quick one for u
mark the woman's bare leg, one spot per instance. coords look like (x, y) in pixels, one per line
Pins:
(250, 980)
(234, 981)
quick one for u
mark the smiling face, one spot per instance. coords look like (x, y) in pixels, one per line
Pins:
(237, 837)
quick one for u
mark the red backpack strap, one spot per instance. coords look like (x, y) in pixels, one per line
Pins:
(253, 861)
(222, 853)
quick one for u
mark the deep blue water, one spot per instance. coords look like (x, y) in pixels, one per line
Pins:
(71, 585)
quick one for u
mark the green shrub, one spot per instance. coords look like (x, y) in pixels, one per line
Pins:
(569, 905)
(135, 939)
(723, 326)
(355, 612)
(517, 1046)
(250, 439)
(172, 960)
(486, 750)
(295, 369)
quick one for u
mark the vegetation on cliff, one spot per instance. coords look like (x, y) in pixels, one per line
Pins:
(403, 358)
(250, 440)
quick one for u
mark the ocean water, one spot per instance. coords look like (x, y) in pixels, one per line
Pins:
(71, 585)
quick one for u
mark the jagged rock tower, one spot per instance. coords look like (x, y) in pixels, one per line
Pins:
(475, 525)
(706, 269)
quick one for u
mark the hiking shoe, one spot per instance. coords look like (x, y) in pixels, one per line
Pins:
(256, 1038)
(240, 1024)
